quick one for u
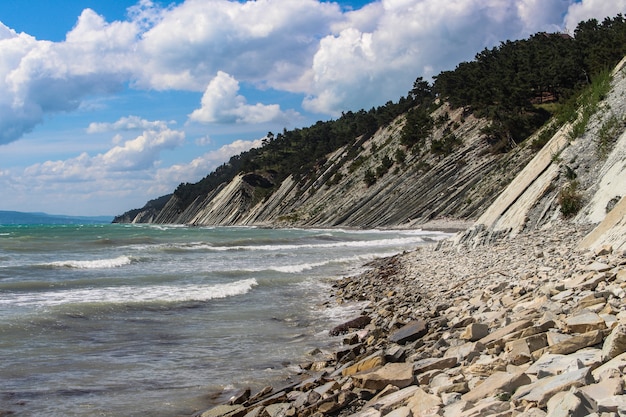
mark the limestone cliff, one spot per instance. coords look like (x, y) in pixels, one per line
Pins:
(589, 171)
(376, 182)
(418, 185)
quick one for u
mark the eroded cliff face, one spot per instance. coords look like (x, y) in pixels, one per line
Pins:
(377, 182)
(588, 172)
(373, 182)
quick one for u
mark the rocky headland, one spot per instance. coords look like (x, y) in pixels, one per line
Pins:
(524, 326)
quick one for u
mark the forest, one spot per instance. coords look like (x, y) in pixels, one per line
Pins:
(517, 85)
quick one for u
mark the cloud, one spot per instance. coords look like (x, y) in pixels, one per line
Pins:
(336, 59)
(380, 50)
(270, 43)
(99, 182)
(222, 104)
(592, 9)
(127, 123)
(40, 77)
(140, 153)
(201, 166)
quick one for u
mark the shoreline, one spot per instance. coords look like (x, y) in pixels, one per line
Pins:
(448, 330)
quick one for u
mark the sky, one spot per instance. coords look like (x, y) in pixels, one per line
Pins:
(107, 104)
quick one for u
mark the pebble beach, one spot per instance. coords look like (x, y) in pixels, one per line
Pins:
(526, 326)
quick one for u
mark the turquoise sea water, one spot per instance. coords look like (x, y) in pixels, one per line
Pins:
(144, 320)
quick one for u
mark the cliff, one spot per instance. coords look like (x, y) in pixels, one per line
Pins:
(409, 187)
(585, 171)
(376, 181)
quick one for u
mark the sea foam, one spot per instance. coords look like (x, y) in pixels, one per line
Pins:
(93, 264)
(133, 294)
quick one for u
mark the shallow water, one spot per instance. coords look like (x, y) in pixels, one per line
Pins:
(146, 320)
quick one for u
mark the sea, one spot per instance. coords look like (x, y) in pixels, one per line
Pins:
(153, 320)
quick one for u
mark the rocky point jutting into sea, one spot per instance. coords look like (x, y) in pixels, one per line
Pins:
(522, 314)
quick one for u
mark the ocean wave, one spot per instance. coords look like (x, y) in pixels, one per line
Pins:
(343, 244)
(92, 264)
(200, 246)
(133, 294)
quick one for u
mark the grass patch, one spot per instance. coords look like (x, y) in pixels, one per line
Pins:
(607, 135)
(588, 102)
(570, 200)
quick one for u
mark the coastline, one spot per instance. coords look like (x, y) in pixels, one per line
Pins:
(449, 330)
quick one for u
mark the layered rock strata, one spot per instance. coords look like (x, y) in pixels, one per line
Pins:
(521, 327)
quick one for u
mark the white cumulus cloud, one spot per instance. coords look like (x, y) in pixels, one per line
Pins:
(592, 9)
(127, 123)
(221, 103)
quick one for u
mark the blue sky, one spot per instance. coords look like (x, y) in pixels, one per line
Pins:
(106, 104)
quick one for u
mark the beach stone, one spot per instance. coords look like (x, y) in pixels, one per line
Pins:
(489, 407)
(604, 389)
(423, 403)
(357, 323)
(465, 352)
(554, 364)
(517, 352)
(261, 394)
(240, 397)
(275, 410)
(430, 364)
(397, 374)
(577, 342)
(543, 389)
(615, 366)
(615, 343)
(475, 331)
(225, 410)
(392, 400)
(567, 404)
(497, 335)
(403, 411)
(371, 362)
(255, 412)
(409, 332)
(485, 365)
(597, 267)
(614, 404)
(554, 338)
(395, 354)
(533, 412)
(367, 412)
(585, 322)
(497, 382)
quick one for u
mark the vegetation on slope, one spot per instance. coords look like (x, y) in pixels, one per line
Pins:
(517, 85)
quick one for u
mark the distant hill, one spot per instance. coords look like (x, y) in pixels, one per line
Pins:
(16, 217)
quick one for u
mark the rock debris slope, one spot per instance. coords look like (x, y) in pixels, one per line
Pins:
(524, 314)
(526, 326)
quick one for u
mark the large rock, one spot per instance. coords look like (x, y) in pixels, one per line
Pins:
(498, 382)
(585, 322)
(576, 343)
(615, 343)
(396, 374)
(354, 324)
(373, 361)
(497, 336)
(475, 331)
(423, 403)
(568, 404)
(428, 364)
(543, 389)
(409, 332)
